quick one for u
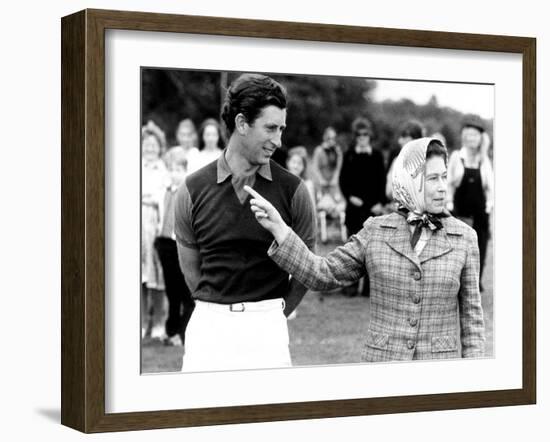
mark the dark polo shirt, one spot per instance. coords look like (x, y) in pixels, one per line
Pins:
(212, 215)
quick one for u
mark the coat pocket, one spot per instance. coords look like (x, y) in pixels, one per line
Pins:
(443, 343)
(377, 340)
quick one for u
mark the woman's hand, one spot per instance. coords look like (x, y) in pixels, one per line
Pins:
(377, 209)
(267, 215)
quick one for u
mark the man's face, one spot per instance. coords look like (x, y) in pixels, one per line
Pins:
(435, 184)
(363, 138)
(263, 135)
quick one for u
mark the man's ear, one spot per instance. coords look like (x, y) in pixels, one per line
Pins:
(241, 124)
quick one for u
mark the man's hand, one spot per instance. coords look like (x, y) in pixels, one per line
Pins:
(356, 201)
(268, 217)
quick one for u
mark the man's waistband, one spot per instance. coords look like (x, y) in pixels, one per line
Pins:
(243, 307)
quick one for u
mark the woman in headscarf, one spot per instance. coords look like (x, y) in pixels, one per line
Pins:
(423, 265)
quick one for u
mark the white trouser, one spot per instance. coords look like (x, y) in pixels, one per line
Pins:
(241, 336)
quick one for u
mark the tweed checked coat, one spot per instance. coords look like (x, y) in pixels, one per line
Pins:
(425, 306)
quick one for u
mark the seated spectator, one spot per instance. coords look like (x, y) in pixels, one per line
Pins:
(326, 166)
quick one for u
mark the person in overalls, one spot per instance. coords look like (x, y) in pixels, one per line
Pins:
(471, 182)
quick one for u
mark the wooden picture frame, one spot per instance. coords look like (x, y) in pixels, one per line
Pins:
(83, 220)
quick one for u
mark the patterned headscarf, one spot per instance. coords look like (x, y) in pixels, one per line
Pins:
(408, 187)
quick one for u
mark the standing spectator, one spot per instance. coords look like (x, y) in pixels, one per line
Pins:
(362, 179)
(211, 145)
(186, 135)
(471, 182)
(326, 166)
(297, 165)
(154, 179)
(180, 303)
(410, 130)
(362, 182)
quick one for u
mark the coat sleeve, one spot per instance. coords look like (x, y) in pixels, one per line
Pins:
(472, 329)
(341, 267)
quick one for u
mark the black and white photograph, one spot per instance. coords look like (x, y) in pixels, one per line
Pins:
(326, 214)
(293, 220)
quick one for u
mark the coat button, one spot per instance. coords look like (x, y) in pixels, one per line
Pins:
(413, 322)
(410, 345)
(417, 276)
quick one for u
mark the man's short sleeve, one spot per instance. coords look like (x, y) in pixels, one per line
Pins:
(183, 218)
(303, 216)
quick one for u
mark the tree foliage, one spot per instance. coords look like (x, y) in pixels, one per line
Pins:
(315, 102)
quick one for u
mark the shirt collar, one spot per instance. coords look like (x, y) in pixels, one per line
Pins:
(224, 170)
(367, 149)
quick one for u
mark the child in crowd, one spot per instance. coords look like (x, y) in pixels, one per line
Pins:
(180, 303)
(296, 164)
(186, 135)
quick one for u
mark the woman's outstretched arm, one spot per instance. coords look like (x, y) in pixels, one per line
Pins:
(341, 267)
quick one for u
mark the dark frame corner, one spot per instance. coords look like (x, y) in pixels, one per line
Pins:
(83, 217)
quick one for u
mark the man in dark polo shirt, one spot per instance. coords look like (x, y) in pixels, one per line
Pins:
(242, 297)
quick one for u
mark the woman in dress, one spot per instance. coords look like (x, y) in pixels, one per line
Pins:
(423, 265)
(211, 145)
(155, 177)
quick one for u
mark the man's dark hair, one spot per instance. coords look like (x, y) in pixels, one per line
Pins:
(248, 95)
(413, 129)
(436, 149)
(360, 124)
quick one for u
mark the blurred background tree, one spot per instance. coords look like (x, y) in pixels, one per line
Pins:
(315, 102)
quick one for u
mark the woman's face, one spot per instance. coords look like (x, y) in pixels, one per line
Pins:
(185, 136)
(435, 184)
(150, 148)
(295, 165)
(329, 137)
(210, 136)
(471, 137)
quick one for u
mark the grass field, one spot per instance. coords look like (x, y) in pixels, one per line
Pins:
(328, 328)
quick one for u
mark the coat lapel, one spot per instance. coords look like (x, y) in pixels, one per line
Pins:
(400, 238)
(439, 244)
